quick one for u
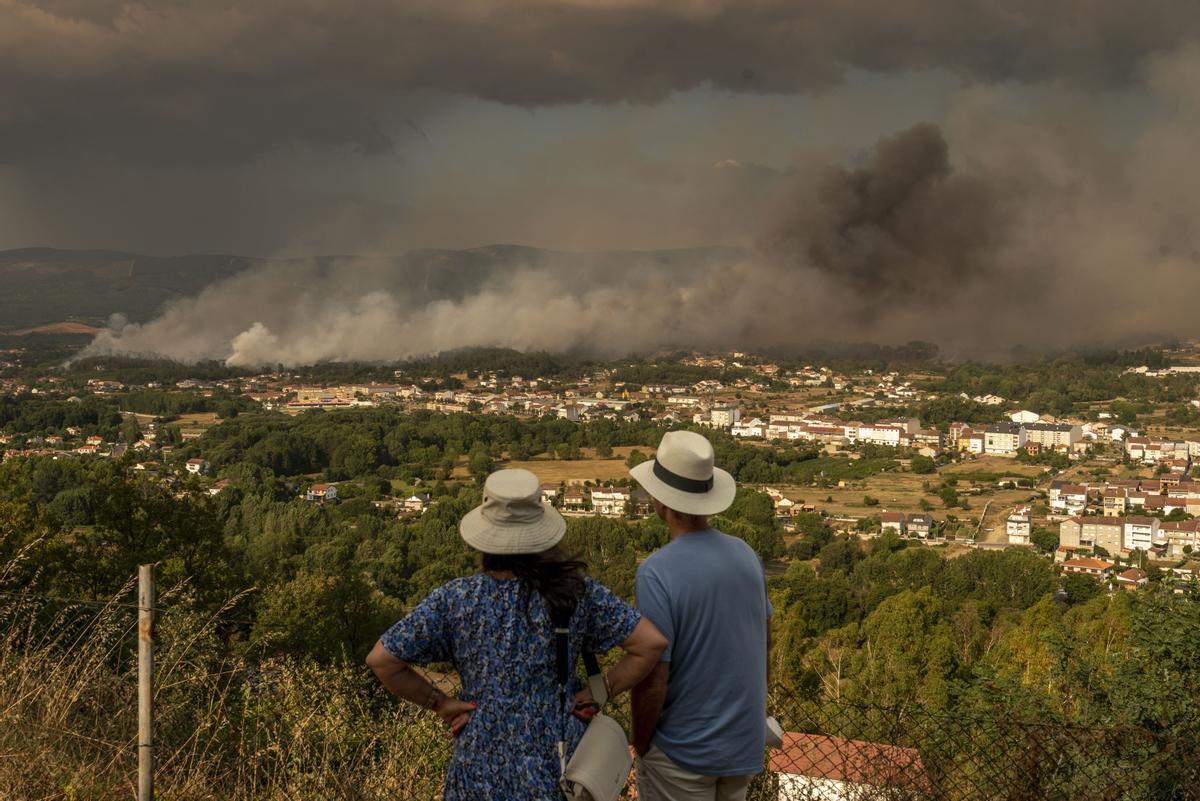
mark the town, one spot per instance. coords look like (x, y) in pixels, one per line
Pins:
(1104, 496)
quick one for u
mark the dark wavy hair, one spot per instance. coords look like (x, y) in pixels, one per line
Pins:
(554, 575)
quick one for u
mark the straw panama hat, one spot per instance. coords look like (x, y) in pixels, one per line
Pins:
(512, 518)
(682, 476)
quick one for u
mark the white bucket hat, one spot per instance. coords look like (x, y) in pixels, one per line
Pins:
(682, 476)
(512, 518)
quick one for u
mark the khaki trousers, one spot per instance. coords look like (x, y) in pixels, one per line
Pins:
(660, 779)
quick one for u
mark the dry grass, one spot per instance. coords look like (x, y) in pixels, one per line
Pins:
(574, 471)
(198, 419)
(993, 464)
(903, 492)
(224, 729)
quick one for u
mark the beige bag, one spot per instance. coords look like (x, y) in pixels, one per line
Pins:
(774, 733)
(599, 768)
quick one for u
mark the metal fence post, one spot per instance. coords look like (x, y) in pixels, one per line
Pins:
(145, 683)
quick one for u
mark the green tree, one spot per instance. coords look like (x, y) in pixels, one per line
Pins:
(325, 617)
(841, 554)
(131, 432)
(923, 465)
(1045, 540)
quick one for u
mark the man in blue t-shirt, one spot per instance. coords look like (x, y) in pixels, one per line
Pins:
(698, 718)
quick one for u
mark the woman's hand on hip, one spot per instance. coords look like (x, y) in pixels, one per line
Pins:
(455, 713)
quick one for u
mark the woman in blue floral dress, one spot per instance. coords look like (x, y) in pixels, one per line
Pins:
(495, 628)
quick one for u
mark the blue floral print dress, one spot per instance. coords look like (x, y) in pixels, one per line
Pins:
(499, 637)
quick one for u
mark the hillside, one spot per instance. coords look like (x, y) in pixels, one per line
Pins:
(44, 285)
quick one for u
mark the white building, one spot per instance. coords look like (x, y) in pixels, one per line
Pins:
(725, 416)
(322, 492)
(197, 466)
(893, 521)
(749, 428)
(1020, 526)
(1140, 532)
(1053, 435)
(417, 502)
(1003, 439)
(610, 501)
(1067, 498)
(880, 434)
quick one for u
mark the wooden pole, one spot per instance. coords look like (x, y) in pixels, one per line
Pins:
(145, 683)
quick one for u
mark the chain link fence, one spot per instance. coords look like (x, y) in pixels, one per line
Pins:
(862, 753)
(282, 730)
(838, 751)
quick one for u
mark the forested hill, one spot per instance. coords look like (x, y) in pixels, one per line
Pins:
(44, 285)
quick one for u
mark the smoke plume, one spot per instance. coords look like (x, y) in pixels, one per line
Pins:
(1010, 226)
(902, 227)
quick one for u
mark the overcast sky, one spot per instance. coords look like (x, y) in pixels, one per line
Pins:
(268, 127)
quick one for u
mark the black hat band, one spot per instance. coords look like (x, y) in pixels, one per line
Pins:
(682, 483)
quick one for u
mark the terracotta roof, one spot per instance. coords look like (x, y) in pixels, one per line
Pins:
(1132, 574)
(1088, 564)
(840, 759)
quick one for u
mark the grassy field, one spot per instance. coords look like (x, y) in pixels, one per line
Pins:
(903, 492)
(992, 464)
(577, 471)
(197, 420)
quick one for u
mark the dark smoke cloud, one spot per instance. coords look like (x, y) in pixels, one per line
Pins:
(217, 81)
(901, 226)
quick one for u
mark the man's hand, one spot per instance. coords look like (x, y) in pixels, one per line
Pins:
(648, 698)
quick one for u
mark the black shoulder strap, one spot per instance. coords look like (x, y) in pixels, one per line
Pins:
(562, 669)
(590, 664)
(563, 673)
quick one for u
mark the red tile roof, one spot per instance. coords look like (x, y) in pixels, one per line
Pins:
(1088, 564)
(840, 759)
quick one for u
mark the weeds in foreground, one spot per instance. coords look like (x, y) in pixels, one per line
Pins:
(224, 728)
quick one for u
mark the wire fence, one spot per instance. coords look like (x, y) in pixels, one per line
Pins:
(281, 730)
(862, 753)
(837, 751)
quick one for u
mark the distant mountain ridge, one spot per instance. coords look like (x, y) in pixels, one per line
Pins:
(46, 285)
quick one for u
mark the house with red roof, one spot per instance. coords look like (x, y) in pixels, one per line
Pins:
(817, 766)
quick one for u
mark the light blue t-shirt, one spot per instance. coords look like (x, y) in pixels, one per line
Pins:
(706, 593)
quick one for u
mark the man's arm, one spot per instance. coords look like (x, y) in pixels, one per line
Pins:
(648, 699)
(642, 649)
(399, 677)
